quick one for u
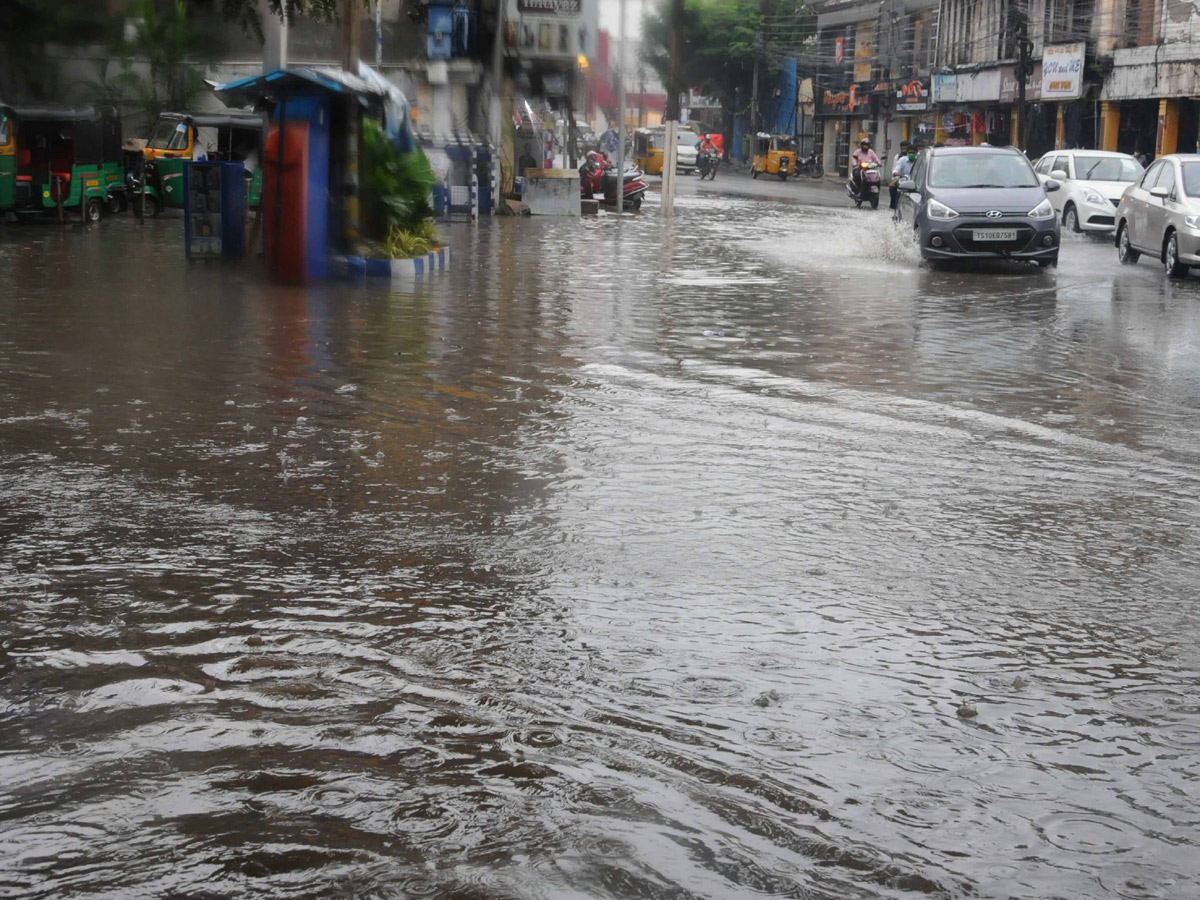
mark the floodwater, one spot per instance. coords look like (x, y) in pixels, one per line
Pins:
(739, 558)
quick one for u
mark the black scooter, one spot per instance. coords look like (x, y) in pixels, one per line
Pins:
(707, 164)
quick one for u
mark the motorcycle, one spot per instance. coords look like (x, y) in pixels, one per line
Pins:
(811, 166)
(707, 164)
(597, 175)
(863, 186)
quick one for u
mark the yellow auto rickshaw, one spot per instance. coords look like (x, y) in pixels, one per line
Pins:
(774, 154)
(649, 148)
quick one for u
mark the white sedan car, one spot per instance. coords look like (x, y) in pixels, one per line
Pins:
(1092, 184)
(685, 160)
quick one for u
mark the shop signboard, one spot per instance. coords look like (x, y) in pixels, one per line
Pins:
(945, 87)
(1062, 71)
(912, 96)
(844, 102)
(554, 29)
(1009, 89)
(839, 52)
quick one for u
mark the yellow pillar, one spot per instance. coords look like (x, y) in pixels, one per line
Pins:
(906, 130)
(1168, 127)
(1060, 128)
(1013, 137)
(1110, 118)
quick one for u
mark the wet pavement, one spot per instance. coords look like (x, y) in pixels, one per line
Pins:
(741, 557)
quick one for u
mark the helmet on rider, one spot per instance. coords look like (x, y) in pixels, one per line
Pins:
(865, 144)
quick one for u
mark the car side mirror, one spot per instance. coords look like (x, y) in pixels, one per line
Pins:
(1160, 192)
(1051, 185)
(907, 185)
(1060, 174)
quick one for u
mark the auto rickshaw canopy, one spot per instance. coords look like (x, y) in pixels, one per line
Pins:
(94, 132)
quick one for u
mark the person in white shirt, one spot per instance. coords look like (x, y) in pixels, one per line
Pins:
(901, 169)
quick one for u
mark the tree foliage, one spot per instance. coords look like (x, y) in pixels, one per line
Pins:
(721, 41)
(245, 12)
(27, 26)
(158, 70)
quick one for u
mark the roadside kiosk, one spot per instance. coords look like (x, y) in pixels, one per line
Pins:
(304, 158)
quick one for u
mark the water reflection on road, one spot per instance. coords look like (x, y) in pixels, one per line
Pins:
(622, 561)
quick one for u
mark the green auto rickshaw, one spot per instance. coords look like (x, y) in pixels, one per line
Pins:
(180, 137)
(54, 155)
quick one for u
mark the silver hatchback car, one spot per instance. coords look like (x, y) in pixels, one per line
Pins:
(1159, 215)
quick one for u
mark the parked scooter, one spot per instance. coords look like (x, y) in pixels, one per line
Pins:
(599, 176)
(863, 186)
(707, 163)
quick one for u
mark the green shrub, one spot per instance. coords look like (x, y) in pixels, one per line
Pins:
(397, 187)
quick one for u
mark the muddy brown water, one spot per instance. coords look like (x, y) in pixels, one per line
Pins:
(620, 561)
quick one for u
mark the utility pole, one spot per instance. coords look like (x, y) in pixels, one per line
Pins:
(351, 41)
(671, 151)
(754, 98)
(1024, 70)
(621, 123)
(379, 34)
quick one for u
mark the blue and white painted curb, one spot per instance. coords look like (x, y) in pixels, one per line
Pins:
(412, 269)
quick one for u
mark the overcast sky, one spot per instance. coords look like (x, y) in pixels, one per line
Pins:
(610, 16)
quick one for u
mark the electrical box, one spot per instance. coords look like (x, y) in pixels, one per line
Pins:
(214, 210)
(441, 26)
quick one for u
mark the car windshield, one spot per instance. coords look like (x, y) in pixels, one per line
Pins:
(1191, 178)
(167, 135)
(980, 170)
(1107, 168)
(688, 140)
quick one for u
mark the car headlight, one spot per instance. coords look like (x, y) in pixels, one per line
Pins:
(1094, 197)
(936, 210)
(1191, 221)
(1042, 211)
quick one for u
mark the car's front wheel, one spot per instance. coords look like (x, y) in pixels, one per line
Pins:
(1125, 252)
(1171, 264)
(1070, 219)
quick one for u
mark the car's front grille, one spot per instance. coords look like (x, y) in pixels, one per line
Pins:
(965, 235)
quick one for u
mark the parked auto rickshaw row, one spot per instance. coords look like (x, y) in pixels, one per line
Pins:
(72, 157)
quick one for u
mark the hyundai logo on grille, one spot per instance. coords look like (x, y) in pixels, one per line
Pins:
(993, 214)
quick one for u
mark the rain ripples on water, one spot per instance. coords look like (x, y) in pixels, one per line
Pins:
(744, 558)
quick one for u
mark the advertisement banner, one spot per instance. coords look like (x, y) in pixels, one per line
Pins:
(839, 53)
(1062, 71)
(864, 50)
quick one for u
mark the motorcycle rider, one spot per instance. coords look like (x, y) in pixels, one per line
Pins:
(706, 148)
(901, 170)
(864, 154)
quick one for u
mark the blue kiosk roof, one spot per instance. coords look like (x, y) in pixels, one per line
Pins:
(272, 86)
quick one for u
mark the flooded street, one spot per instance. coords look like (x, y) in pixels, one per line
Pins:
(740, 557)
